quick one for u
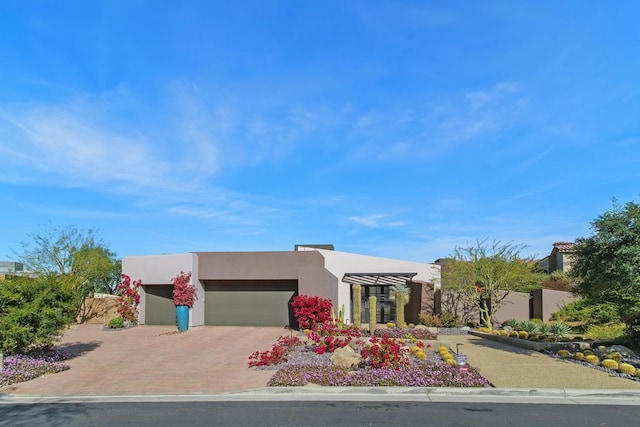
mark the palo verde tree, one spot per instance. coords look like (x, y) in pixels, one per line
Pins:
(482, 275)
(607, 263)
(79, 254)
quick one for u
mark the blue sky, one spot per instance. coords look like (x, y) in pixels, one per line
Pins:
(391, 128)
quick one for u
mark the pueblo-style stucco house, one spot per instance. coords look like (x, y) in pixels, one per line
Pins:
(560, 259)
(256, 288)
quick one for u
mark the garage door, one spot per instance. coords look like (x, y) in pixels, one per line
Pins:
(159, 308)
(249, 304)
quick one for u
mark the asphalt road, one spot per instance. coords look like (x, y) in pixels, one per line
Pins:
(315, 414)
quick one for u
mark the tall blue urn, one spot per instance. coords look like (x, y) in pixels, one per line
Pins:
(182, 316)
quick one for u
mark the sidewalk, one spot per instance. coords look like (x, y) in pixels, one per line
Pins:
(157, 361)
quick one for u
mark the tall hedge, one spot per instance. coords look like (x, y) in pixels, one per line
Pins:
(35, 311)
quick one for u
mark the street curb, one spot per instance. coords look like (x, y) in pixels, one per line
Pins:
(317, 393)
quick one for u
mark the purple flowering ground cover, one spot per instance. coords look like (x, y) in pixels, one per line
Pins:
(304, 367)
(24, 367)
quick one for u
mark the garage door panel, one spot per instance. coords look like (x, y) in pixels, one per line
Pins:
(248, 306)
(159, 308)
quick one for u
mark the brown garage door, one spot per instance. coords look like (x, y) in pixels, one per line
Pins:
(249, 304)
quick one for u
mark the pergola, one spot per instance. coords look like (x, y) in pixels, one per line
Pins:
(378, 279)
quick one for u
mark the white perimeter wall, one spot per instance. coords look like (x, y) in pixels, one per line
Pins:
(159, 270)
(339, 263)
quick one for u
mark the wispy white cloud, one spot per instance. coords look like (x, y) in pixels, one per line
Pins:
(375, 221)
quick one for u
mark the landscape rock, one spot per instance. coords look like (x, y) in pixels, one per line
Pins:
(346, 358)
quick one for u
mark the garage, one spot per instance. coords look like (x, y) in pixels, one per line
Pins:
(159, 308)
(249, 303)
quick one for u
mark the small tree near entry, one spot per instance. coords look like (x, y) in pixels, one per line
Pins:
(484, 274)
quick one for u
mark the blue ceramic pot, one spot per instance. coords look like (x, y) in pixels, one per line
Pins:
(182, 316)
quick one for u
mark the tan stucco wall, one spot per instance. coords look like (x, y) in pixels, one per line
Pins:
(98, 310)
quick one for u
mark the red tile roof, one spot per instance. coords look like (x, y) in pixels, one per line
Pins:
(564, 246)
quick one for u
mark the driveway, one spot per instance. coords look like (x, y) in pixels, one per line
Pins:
(156, 360)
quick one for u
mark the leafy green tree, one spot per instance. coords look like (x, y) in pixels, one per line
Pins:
(68, 251)
(607, 264)
(35, 310)
(484, 274)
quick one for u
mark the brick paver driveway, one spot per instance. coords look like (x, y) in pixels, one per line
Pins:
(156, 360)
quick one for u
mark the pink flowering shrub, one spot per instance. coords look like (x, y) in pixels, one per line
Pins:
(128, 298)
(385, 352)
(183, 292)
(276, 355)
(311, 310)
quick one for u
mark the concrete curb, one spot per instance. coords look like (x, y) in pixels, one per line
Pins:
(406, 394)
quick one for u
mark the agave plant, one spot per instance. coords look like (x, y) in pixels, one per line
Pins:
(530, 327)
(544, 329)
(512, 323)
(560, 329)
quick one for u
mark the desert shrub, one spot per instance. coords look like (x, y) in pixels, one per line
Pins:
(443, 320)
(606, 332)
(578, 355)
(587, 312)
(116, 323)
(35, 311)
(563, 353)
(523, 335)
(504, 332)
(513, 334)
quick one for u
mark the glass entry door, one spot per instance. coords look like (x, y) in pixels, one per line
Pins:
(385, 309)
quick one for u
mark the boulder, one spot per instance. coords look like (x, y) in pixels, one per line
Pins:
(346, 358)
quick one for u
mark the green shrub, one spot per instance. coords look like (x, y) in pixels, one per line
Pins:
(35, 311)
(627, 368)
(116, 323)
(609, 364)
(587, 312)
(442, 320)
(606, 332)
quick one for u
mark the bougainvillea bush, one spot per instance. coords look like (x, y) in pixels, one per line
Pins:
(128, 298)
(311, 310)
(24, 367)
(276, 355)
(183, 292)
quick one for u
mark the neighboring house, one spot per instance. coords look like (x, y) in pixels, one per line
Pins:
(256, 288)
(561, 257)
(11, 268)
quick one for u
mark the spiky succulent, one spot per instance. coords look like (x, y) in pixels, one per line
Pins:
(627, 368)
(560, 329)
(609, 364)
